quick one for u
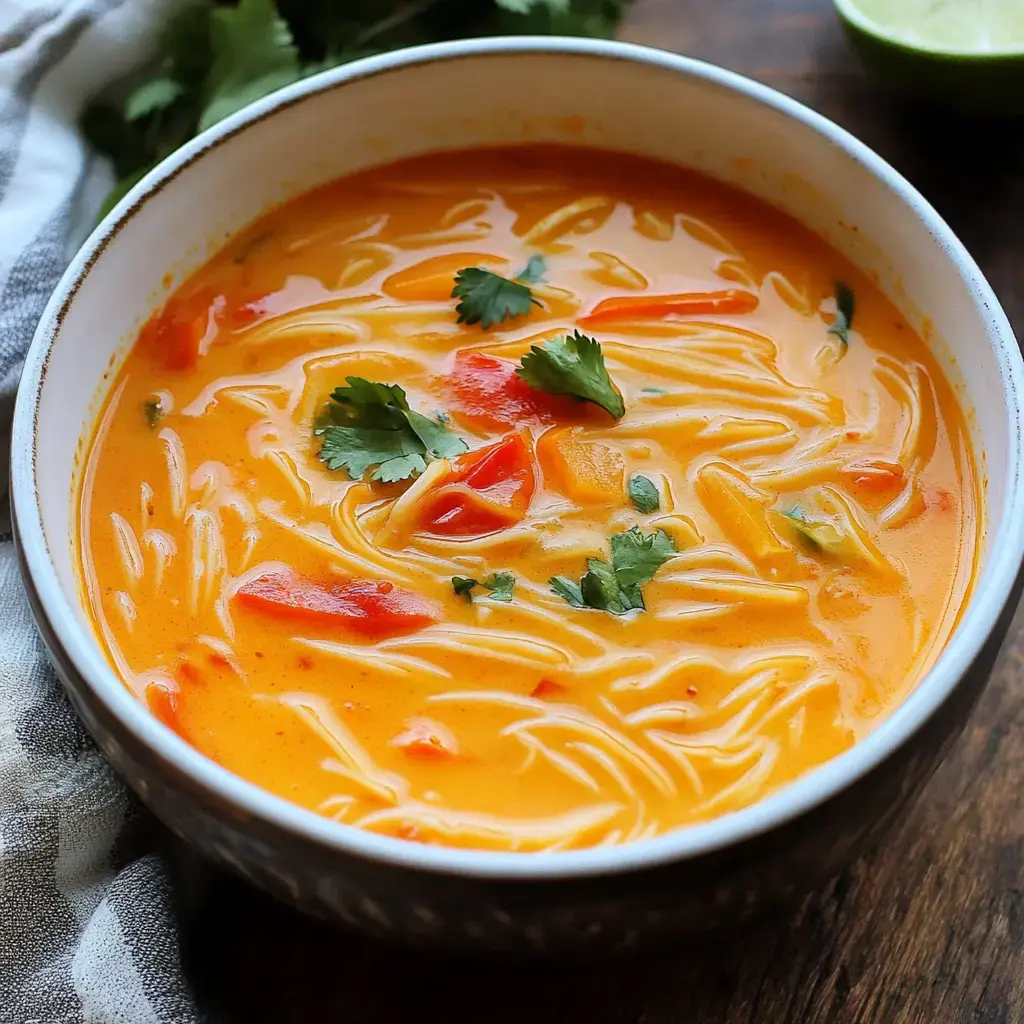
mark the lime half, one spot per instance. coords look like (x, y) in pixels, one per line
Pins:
(965, 54)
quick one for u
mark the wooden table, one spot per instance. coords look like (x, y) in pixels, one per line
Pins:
(930, 927)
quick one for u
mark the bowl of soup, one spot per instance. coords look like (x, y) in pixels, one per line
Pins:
(533, 495)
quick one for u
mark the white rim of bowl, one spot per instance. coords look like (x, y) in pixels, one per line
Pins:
(990, 595)
(849, 10)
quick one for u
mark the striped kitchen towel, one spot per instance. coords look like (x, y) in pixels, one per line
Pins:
(87, 932)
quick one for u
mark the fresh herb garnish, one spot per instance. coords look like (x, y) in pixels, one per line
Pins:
(844, 314)
(819, 535)
(370, 424)
(153, 411)
(644, 494)
(217, 55)
(500, 584)
(487, 298)
(533, 272)
(615, 586)
(573, 365)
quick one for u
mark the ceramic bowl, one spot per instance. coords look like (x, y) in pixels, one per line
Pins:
(499, 91)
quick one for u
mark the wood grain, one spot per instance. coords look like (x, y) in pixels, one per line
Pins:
(929, 927)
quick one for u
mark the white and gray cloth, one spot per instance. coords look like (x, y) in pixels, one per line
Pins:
(87, 933)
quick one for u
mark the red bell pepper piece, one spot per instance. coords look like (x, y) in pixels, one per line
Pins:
(487, 391)
(373, 608)
(487, 490)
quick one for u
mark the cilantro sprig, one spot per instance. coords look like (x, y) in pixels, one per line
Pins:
(615, 586)
(500, 584)
(573, 365)
(369, 424)
(217, 55)
(486, 298)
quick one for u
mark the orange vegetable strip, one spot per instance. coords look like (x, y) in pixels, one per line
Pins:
(645, 307)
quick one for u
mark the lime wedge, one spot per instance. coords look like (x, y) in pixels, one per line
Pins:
(975, 27)
(966, 54)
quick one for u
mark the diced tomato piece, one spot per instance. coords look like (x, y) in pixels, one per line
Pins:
(488, 392)
(176, 332)
(586, 471)
(162, 703)
(876, 476)
(373, 608)
(487, 490)
(941, 499)
(646, 307)
(427, 740)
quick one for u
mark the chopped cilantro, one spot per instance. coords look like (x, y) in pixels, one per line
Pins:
(573, 365)
(615, 586)
(153, 411)
(487, 298)
(500, 584)
(820, 535)
(564, 587)
(370, 424)
(643, 494)
(844, 314)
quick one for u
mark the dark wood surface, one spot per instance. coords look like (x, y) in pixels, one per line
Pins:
(927, 928)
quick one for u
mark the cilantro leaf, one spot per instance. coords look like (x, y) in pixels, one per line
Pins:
(573, 365)
(637, 557)
(253, 55)
(564, 587)
(500, 584)
(601, 589)
(437, 439)
(370, 424)
(156, 94)
(615, 587)
(534, 271)
(487, 298)
(643, 494)
(356, 449)
(844, 314)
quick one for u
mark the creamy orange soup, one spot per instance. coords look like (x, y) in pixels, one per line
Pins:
(555, 589)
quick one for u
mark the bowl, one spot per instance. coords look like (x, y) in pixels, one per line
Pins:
(602, 94)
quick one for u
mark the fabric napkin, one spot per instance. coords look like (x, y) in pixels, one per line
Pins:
(87, 933)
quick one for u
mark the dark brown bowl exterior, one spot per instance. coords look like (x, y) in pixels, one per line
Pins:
(580, 915)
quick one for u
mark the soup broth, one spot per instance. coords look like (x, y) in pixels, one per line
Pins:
(678, 511)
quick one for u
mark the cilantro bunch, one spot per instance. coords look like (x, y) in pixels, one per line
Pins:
(218, 55)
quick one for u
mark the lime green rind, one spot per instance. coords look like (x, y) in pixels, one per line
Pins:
(969, 83)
